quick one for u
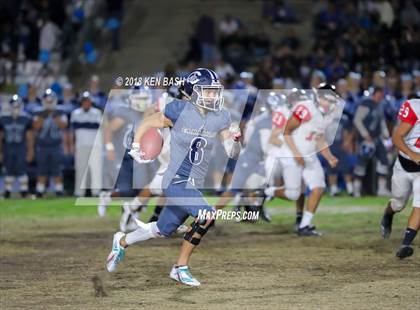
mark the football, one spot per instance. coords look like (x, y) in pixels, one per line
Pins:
(151, 143)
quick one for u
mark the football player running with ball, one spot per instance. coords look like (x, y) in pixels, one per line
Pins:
(406, 175)
(195, 125)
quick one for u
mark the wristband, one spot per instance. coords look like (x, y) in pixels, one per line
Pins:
(109, 146)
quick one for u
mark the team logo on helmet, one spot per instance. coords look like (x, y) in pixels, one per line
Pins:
(194, 77)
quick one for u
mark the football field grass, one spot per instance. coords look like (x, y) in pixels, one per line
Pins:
(52, 255)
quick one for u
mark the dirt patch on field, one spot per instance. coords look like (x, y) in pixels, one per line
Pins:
(240, 266)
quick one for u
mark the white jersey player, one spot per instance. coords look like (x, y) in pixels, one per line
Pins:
(304, 136)
(406, 175)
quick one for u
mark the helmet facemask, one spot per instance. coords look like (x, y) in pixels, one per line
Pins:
(140, 101)
(209, 97)
(50, 103)
(276, 102)
(327, 102)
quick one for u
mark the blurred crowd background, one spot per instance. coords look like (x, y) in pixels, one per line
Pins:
(64, 45)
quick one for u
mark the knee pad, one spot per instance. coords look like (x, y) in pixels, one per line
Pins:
(292, 194)
(199, 227)
(397, 205)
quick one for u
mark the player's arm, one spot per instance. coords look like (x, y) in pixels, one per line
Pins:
(274, 136)
(149, 111)
(400, 133)
(384, 127)
(37, 122)
(109, 128)
(156, 120)
(326, 152)
(348, 141)
(231, 140)
(361, 113)
(292, 124)
(29, 145)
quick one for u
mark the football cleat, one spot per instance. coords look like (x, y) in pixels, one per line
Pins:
(182, 274)
(117, 253)
(308, 231)
(310, 227)
(104, 200)
(404, 251)
(386, 225)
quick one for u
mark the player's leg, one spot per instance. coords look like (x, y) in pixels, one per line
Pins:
(413, 223)
(158, 209)
(20, 171)
(139, 179)
(333, 184)
(292, 177)
(24, 185)
(332, 172)
(80, 167)
(42, 159)
(121, 241)
(382, 170)
(184, 201)
(95, 167)
(255, 185)
(197, 204)
(243, 169)
(348, 178)
(359, 174)
(401, 188)
(300, 206)
(169, 221)
(314, 178)
(9, 166)
(123, 186)
(56, 158)
(154, 188)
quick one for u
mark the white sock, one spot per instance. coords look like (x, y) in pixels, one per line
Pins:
(40, 188)
(306, 219)
(8, 183)
(23, 181)
(144, 232)
(59, 187)
(349, 188)
(135, 204)
(357, 187)
(334, 189)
